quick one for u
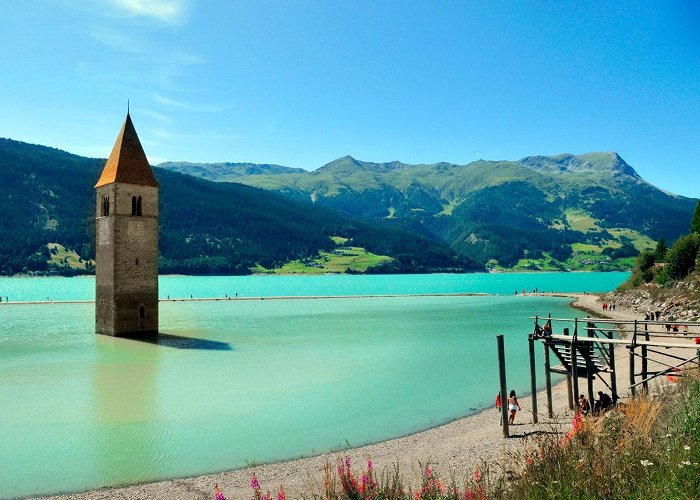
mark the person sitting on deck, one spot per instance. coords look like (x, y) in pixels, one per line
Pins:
(583, 406)
(547, 330)
(604, 402)
(538, 333)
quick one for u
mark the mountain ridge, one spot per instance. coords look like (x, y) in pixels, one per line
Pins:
(592, 201)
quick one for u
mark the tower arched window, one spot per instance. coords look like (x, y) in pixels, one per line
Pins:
(133, 205)
(105, 206)
(142, 312)
(138, 206)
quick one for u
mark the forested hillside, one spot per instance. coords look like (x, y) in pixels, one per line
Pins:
(47, 196)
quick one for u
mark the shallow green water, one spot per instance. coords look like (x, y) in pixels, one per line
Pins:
(238, 381)
(83, 288)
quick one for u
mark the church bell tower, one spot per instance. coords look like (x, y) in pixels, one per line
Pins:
(126, 241)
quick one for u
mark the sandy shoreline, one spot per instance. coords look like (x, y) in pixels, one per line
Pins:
(456, 447)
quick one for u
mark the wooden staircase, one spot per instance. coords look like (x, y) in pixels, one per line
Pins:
(585, 352)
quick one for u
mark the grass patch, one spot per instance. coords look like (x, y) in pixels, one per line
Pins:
(544, 264)
(579, 220)
(63, 257)
(640, 241)
(586, 248)
(341, 260)
(648, 448)
(449, 208)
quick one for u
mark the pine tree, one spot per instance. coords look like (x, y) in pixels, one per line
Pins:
(683, 255)
(695, 223)
(661, 250)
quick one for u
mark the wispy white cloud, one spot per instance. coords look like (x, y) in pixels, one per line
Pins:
(167, 11)
(162, 117)
(215, 108)
(119, 41)
(159, 132)
(127, 42)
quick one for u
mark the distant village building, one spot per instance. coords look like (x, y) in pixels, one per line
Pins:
(126, 241)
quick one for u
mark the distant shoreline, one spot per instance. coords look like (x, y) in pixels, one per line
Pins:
(304, 297)
(505, 271)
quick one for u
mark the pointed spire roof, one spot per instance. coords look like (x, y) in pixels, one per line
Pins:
(127, 163)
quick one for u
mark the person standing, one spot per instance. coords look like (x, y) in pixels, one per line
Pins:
(513, 406)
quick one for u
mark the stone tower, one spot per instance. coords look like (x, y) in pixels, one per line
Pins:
(126, 241)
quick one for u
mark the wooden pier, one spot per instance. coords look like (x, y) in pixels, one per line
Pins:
(586, 348)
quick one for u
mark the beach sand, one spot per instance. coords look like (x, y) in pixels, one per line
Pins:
(455, 448)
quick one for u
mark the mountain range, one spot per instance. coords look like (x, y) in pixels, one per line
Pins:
(588, 211)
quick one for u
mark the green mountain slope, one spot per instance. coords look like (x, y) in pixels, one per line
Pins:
(589, 211)
(47, 197)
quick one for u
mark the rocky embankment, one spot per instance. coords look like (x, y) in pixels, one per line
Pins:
(679, 300)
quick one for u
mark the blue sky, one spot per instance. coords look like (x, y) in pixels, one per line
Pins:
(300, 83)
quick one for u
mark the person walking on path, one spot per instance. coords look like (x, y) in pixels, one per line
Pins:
(513, 406)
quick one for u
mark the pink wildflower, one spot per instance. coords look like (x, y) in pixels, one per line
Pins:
(477, 474)
(254, 482)
(280, 494)
(468, 495)
(428, 471)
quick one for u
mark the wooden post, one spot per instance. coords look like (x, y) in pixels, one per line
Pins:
(645, 385)
(613, 373)
(589, 369)
(548, 379)
(574, 361)
(504, 386)
(533, 378)
(633, 389)
(569, 390)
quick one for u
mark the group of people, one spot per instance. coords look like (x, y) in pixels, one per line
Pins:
(603, 403)
(652, 316)
(543, 331)
(608, 306)
(675, 328)
(669, 324)
(7, 299)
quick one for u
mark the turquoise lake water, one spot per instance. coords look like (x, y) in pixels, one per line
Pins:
(233, 382)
